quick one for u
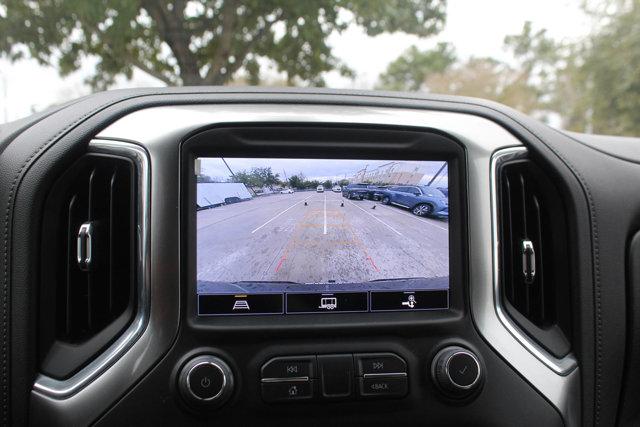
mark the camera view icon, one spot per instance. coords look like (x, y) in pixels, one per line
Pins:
(241, 305)
(328, 303)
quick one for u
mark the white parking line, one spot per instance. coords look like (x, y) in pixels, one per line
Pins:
(376, 218)
(297, 203)
(325, 214)
(424, 221)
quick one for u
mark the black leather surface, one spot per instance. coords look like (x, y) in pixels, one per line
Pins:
(600, 190)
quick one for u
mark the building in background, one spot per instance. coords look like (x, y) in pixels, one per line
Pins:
(391, 173)
(212, 194)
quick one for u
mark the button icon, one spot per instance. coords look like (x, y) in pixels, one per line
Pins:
(241, 305)
(328, 303)
(293, 390)
(411, 302)
(377, 366)
(205, 382)
(292, 369)
(379, 386)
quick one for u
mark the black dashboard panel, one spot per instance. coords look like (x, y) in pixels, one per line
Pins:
(140, 382)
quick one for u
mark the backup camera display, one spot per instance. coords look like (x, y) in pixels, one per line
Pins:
(289, 236)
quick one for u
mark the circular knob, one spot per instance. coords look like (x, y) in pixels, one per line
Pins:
(206, 381)
(456, 371)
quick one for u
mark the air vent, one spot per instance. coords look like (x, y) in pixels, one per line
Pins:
(89, 261)
(534, 260)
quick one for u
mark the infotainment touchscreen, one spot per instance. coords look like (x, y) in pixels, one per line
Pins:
(291, 236)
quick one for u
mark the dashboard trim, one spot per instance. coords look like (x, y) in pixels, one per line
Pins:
(561, 366)
(158, 130)
(60, 389)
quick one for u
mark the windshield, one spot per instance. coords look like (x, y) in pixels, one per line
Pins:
(432, 192)
(571, 64)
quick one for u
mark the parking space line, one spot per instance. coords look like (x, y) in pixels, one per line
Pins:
(376, 218)
(424, 221)
(325, 214)
(297, 203)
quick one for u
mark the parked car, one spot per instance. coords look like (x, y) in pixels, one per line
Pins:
(337, 189)
(374, 192)
(420, 199)
(355, 191)
(444, 190)
(320, 189)
(286, 191)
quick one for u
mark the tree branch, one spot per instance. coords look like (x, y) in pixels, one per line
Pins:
(171, 28)
(243, 52)
(221, 56)
(153, 73)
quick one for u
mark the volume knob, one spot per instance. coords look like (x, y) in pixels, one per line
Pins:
(206, 381)
(456, 371)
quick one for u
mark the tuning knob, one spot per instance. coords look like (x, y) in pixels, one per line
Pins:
(206, 381)
(456, 371)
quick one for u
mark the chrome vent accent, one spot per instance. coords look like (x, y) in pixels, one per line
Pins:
(534, 262)
(89, 260)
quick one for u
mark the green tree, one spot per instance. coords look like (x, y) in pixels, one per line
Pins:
(327, 184)
(605, 73)
(296, 181)
(265, 176)
(409, 71)
(488, 79)
(593, 84)
(245, 178)
(196, 42)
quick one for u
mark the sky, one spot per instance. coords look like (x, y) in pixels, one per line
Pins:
(476, 28)
(317, 169)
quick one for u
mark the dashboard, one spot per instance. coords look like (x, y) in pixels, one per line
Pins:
(244, 257)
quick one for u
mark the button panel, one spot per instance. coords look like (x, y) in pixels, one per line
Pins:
(334, 376)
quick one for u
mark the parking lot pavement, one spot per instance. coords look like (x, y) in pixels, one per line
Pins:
(278, 238)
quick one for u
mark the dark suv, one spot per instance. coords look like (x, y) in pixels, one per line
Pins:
(355, 191)
(420, 199)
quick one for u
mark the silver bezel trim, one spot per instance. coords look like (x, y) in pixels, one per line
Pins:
(222, 387)
(475, 359)
(285, 380)
(387, 375)
(60, 389)
(560, 366)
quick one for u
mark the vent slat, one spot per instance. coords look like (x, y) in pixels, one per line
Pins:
(509, 239)
(88, 299)
(112, 240)
(531, 211)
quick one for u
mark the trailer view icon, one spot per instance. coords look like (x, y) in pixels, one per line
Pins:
(328, 303)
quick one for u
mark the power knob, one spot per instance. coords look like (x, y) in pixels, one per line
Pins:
(456, 371)
(206, 381)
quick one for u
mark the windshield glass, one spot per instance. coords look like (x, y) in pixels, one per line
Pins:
(572, 64)
(432, 192)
